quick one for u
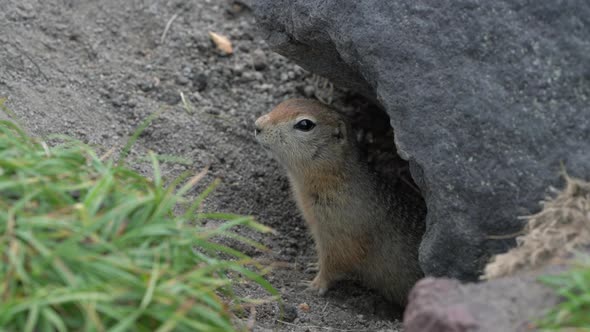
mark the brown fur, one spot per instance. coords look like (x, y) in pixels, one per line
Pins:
(361, 227)
(292, 108)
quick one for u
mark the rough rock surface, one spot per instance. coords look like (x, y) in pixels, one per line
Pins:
(487, 99)
(555, 240)
(507, 304)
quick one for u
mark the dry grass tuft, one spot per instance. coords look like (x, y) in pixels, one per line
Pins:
(562, 227)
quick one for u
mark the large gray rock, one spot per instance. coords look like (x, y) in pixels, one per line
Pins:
(487, 99)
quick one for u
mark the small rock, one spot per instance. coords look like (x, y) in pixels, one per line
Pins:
(187, 71)
(74, 36)
(235, 8)
(252, 76)
(258, 174)
(258, 77)
(239, 69)
(235, 33)
(182, 80)
(170, 97)
(309, 91)
(289, 313)
(196, 97)
(118, 101)
(212, 111)
(104, 93)
(304, 307)
(264, 87)
(248, 76)
(200, 82)
(227, 72)
(259, 60)
(244, 48)
(146, 86)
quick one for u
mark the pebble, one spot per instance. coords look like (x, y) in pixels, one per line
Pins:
(289, 313)
(182, 80)
(304, 307)
(244, 48)
(258, 76)
(200, 82)
(239, 69)
(146, 86)
(212, 111)
(265, 87)
(118, 101)
(196, 97)
(258, 174)
(170, 97)
(235, 33)
(309, 91)
(284, 77)
(252, 76)
(235, 8)
(259, 60)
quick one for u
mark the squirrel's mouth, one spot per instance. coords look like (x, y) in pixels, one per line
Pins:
(260, 141)
(266, 147)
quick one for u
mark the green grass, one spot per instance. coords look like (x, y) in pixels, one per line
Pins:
(91, 245)
(574, 288)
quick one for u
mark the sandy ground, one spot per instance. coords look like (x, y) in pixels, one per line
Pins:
(95, 69)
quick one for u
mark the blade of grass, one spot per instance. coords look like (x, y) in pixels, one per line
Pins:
(131, 141)
(54, 319)
(32, 319)
(90, 233)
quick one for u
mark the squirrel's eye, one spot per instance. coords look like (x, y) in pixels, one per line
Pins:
(304, 125)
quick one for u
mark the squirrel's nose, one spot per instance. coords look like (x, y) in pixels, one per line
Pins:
(258, 124)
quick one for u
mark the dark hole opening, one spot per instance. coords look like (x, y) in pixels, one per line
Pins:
(375, 136)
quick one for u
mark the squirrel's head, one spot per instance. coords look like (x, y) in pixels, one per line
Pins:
(303, 133)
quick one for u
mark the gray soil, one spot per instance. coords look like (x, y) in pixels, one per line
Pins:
(95, 69)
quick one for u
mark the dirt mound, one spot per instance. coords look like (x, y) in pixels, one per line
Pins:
(562, 227)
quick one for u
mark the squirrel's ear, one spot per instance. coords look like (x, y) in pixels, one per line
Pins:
(340, 131)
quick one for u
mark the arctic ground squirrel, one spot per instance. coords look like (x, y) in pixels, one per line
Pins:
(361, 226)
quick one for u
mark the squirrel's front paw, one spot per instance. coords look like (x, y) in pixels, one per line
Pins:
(320, 285)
